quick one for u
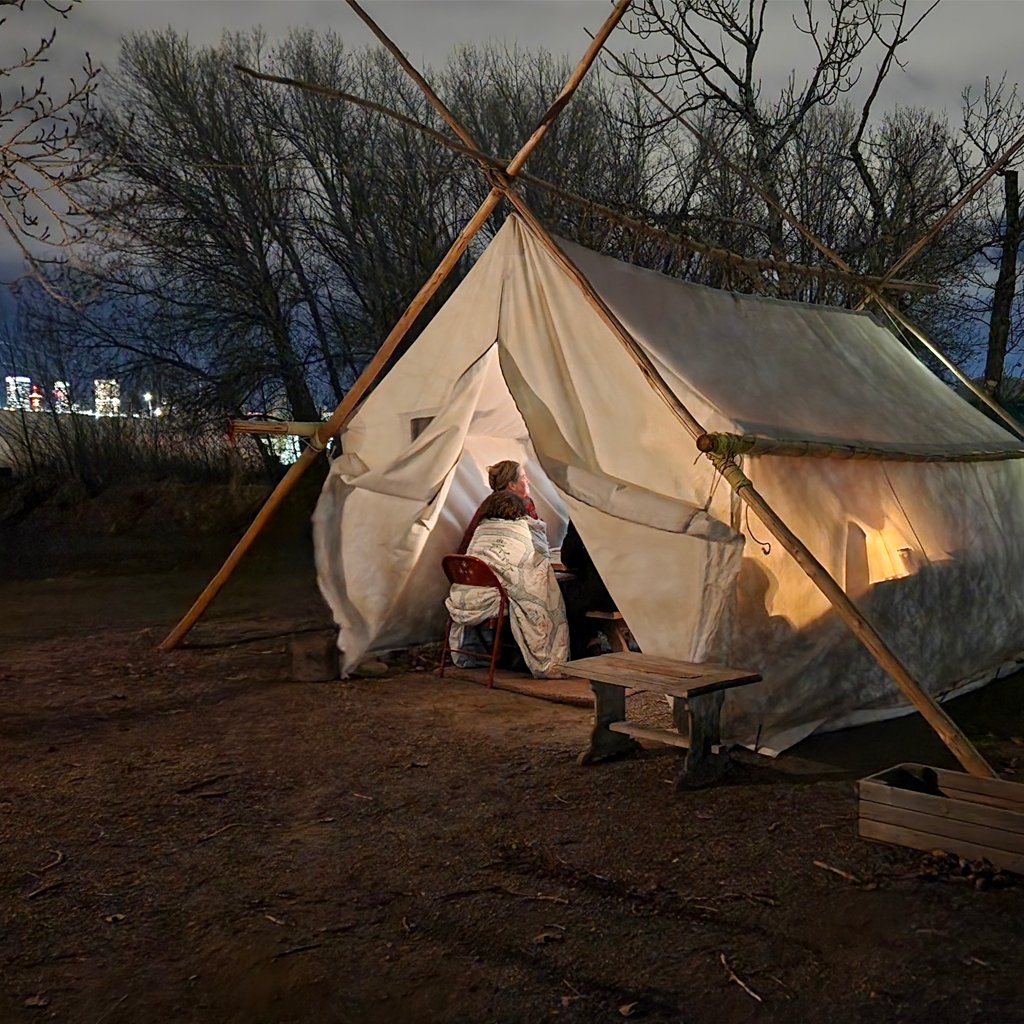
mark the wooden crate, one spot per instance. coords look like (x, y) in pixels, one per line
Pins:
(971, 817)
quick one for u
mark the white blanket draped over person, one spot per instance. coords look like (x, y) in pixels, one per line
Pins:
(518, 554)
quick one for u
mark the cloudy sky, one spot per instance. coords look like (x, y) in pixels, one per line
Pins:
(960, 43)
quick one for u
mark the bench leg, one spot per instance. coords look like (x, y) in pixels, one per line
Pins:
(699, 718)
(609, 706)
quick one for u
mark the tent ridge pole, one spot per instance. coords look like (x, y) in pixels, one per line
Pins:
(980, 393)
(725, 445)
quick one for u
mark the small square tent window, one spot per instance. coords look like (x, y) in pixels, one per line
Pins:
(418, 424)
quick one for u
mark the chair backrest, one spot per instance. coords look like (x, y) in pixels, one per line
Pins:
(470, 571)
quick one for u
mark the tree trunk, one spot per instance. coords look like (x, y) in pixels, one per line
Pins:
(1002, 295)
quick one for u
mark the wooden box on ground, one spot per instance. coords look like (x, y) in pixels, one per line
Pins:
(971, 817)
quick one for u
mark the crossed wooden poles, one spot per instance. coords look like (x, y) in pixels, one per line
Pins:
(503, 182)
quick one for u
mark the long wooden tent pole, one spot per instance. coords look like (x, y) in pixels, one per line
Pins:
(980, 393)
(862, 629)
(971, 192)
(366, 379)
(730, 445)
(746, 264)
(331, 426)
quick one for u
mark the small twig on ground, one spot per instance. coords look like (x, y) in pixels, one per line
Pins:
(110, 1009)
(203, 783)
(362, 796)
(540, 897)
(739, 981)
(839, 872)
(757, 898)
(43, 889)
(297, 949)
(217, 832)
(333, 929)
(59, 859)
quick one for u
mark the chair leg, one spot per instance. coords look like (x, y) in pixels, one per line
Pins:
(445, 648)
(495, 650)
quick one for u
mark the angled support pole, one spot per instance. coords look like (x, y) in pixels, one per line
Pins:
(948, 731)
(366, 379)
(863, 630)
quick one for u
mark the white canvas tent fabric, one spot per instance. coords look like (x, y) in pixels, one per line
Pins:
(518, 365)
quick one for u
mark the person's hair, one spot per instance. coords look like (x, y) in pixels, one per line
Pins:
(503, 505)
(502, 474)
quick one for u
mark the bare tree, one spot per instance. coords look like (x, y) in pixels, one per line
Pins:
(202, 191)
(708, 55)
(990, 122)
(45, 148)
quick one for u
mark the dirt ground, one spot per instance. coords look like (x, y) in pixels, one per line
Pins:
(194, 837)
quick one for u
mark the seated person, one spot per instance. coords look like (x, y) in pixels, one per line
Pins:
(506, 542)
(502, 476)
(584, 592)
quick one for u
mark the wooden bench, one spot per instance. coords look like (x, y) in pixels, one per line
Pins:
(699, 691)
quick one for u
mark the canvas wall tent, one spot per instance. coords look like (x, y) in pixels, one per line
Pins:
(518, 365)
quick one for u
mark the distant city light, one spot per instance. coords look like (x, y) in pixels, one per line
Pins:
(158, 411)
(18, 391)
(35, 398)
(286, 447)
(108, 397)
(61, 396)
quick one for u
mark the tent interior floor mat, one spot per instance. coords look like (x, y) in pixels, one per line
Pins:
(572, 691)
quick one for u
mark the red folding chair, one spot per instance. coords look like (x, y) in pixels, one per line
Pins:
(474, 572)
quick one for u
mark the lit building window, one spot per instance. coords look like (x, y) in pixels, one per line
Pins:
(61, 396)
(286, 447)
(19, 391)
(108, 397)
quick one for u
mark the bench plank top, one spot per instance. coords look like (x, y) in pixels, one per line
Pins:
(661, 675)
